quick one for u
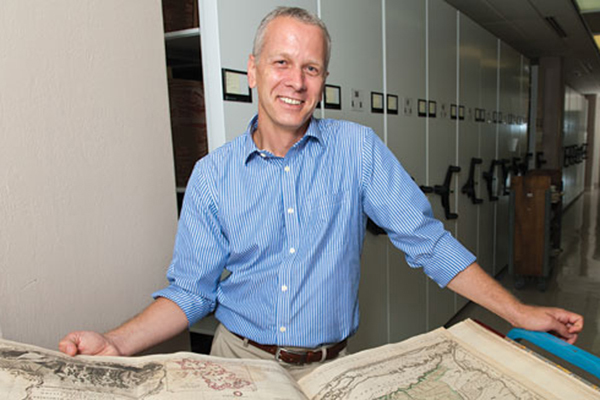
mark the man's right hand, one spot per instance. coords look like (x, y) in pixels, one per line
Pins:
(160, 321)
(88, 343)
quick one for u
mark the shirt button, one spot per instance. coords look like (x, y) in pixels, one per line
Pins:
(290, 210)
(287, 168)
(292, 250)
(284, 288)
(263, 155)
(282, 329)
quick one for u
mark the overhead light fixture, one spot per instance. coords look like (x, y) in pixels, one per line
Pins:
(586, 6)
(597, 40)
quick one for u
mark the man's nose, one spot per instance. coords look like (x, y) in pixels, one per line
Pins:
(297, 79)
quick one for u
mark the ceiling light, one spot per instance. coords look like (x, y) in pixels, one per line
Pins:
(588, 5)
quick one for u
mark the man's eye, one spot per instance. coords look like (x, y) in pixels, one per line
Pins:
(313, 70)
(280, 62)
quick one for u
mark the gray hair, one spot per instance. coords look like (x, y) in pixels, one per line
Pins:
(298, 14)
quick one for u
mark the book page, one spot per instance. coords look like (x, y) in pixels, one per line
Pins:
(29, 372)
(434, 365)
(520, 363)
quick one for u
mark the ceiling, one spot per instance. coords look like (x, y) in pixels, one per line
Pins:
(541, 28)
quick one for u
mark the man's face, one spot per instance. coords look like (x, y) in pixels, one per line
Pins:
(289, 75)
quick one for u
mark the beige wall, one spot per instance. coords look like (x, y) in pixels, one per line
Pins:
(87, 191)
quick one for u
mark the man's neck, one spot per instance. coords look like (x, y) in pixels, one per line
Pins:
(276, 141)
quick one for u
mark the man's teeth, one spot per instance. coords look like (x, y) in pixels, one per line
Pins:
(290, 101)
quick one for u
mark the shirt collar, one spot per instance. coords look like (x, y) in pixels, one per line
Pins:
(313, 132)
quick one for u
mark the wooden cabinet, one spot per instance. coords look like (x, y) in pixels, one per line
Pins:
(535, 214)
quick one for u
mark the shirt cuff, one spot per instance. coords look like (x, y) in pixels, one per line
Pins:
(448, 260)
(195, 307)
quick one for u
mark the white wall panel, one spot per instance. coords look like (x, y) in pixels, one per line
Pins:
(88, 205)
(508, 141)
(574, 134)
(441, 130)
(357, 63)
(488, 132)
(469, 97)
(405, 65)
(522, 113)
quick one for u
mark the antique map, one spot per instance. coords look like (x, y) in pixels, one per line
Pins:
(27, 372)
(440, 365)
(464, 362)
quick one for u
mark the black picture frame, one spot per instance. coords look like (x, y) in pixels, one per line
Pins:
(432, 109)
(332, 95)
(453, 111)
(422, 108)
(392, 104)
(232, 90)
(377, 102)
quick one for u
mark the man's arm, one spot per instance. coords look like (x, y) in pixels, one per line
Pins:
(160, 321)
(476, 285)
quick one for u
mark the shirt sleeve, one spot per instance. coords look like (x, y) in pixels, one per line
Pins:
(201, 250)
(395, 203)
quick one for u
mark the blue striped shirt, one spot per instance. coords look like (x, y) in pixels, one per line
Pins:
(289, 232)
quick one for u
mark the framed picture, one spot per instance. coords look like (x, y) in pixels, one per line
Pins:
(235, 86)
(422, 108)
(461, 113)
(453, 111)
(432, 111)
(333, 97)
(392, 104)
(376, 102)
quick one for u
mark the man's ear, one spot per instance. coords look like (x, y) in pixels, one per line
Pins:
(251, 72)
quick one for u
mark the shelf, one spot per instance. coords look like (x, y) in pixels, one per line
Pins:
(186, 33)
(183, 47)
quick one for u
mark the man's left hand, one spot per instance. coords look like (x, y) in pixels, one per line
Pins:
(564, 324)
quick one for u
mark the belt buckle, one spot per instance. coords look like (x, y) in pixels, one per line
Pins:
(292, 352)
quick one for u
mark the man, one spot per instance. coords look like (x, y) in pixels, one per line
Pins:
(282, 210)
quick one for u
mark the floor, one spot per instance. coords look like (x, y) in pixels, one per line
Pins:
(574, 283)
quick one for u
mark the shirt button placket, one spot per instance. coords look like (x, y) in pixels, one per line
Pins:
(291, 224)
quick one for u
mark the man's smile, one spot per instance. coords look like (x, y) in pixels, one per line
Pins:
(291, 101)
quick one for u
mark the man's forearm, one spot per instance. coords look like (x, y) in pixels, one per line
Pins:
(476, 285)
(160, 321)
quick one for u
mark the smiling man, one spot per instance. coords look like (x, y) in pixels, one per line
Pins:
(288, 70)
(282, 209)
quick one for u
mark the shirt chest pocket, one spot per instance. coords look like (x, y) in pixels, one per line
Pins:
(329, 208)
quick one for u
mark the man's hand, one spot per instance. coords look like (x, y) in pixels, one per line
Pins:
(564, 324)
(88, 343)
(160, 321)
(476, 285)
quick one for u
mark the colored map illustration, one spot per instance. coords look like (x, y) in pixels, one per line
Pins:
(439, 371)
(30, 373)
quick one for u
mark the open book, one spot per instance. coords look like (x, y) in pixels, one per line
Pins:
(463, 362)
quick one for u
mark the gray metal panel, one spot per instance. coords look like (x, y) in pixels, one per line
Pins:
(405, 55)
(356, 56)
(357, 62)
(487, 131)
(441, 75)
(509, 75)
(405, 65)
(469, 91)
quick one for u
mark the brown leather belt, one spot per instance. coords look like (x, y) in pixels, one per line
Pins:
(291, 356)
